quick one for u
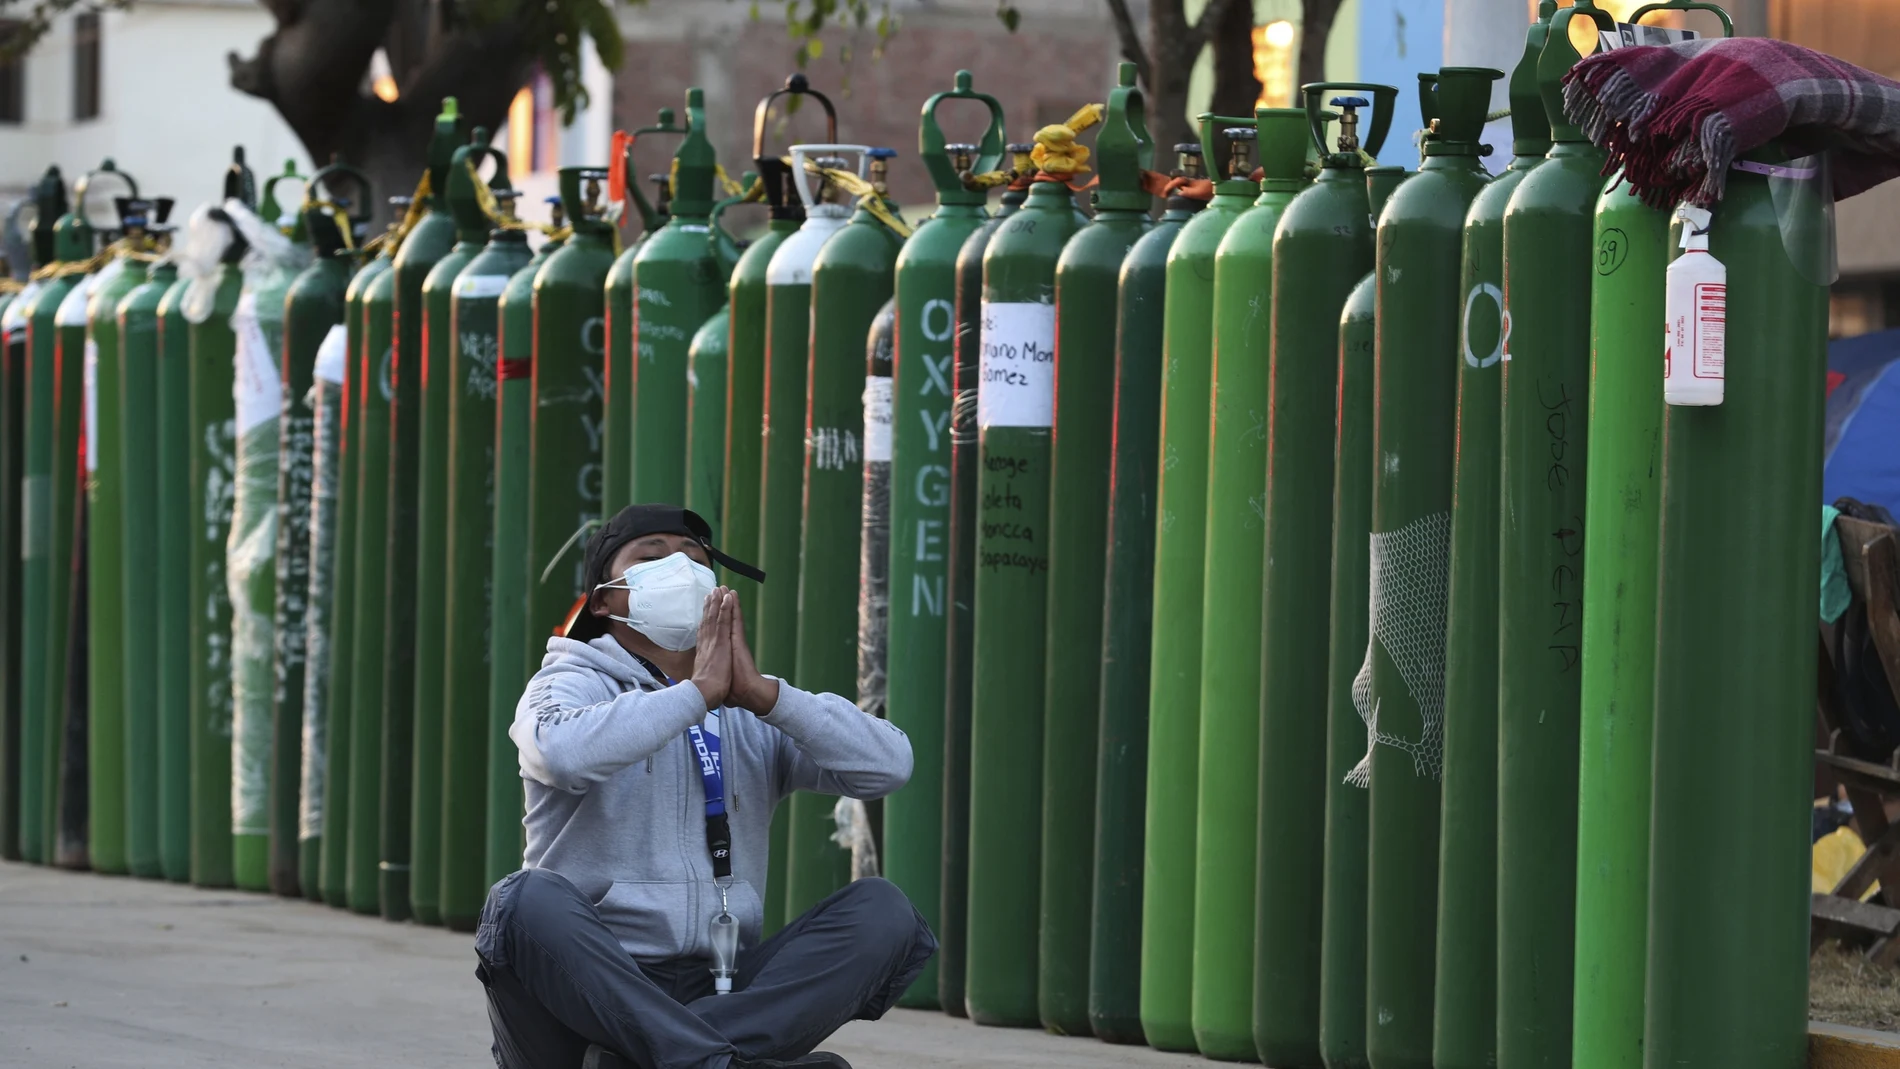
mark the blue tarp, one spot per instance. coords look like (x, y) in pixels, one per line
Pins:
(1862, 443)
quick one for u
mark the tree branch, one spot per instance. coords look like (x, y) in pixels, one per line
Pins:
(1203, 29)
(1130, 37)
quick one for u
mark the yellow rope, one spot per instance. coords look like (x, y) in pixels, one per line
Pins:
(867, 195)
(418, 207)
(1057, 152)
(726, 182)
(338, 214)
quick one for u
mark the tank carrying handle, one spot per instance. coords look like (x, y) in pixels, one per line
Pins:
(1384, 98)
(1728, 24)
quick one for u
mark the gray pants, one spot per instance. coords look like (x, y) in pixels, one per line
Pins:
(558, 980)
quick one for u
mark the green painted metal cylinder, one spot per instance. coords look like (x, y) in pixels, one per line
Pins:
(1081, 444)
(213, 472)
(1419, 251)
(259, 862)
(960, 600)
(1174, 696)
(510, 575)
(1342, 972)
(1121, 770)
(617, 377)
(1548, 266)
(339, 755)
(1315, 256)
(326, 403)
(1735, 641)
(706, 363)
(1229, 779)
(173, 531)
(469, 510)
(920, 410)
(107, 711)
(137, 462)
(12, 525)
(66, 834)
(370, 440)
(569, 334)
(745, 407)
(1015, 408)
(678, 282)
(851, 278)
(412, 635)
(1623, 493)
(1464, 1031)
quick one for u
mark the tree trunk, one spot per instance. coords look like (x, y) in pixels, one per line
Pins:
(311, 69)
(1316, 25)
(1236, 90)
(1172, 48)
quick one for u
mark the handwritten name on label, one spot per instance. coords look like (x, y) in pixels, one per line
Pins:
(877, 418)
(1018, 365)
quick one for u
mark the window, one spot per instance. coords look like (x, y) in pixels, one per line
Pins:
(12, 77)
(86, 66)
(534, 128)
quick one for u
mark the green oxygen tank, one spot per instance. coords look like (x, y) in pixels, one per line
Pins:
(315, 346)
(374, 390)
(1226, 835)
(417, 433)
(1735, 639)
(264, 773)
(564, 466)
(1548, 266)
(1342, 971)
(137, 320)
(451, 686)
(617, 413)
(1464, 1029)
(173, 531)
(466, 199)
(745, 372)
(31, 326)
(960, 599)
(920, 402)
(214, 288)
(706, 392)
(1121, 770)
(12, 441)
(851, 278)
(1317, 254)
(109, 815)
(874, 514)
(679, 281)
(509, 574)
(339, 818)
(1174, 696)
(1015, 409)
(1081, 444)
(473, 387)
(1623, 493)
(782, 452)
(1420, 240)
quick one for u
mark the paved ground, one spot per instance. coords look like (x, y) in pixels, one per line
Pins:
(99, 972)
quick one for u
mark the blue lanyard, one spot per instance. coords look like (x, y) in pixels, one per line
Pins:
(705, 746)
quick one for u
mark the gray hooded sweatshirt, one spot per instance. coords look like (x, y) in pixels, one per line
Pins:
(615, 802)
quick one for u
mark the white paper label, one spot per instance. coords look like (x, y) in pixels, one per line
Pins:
(478, 286)
(91, 379)
(1017, 386)
(255, 387)
(332, 354)
(877, 419)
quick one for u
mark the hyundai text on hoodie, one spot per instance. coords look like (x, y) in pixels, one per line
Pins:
(615, 802)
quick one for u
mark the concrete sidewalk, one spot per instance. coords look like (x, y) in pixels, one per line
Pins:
(101, 971)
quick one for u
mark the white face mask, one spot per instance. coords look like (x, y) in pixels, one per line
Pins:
(666, 599)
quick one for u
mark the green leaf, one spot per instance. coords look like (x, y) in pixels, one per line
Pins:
(815, 48)
(753, 12)
(1010, 16)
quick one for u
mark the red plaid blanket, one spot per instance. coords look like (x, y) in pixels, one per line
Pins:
(1675, 117)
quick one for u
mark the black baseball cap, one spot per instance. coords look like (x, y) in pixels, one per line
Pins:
(630, 523)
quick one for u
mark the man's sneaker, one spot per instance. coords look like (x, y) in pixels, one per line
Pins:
(599, 1057)
(817, 1059)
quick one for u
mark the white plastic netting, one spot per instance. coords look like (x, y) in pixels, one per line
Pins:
(1411, 580)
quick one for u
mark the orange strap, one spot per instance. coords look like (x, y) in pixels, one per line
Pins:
(1156, 184)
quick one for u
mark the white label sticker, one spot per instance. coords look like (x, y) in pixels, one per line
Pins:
(478, 286)
(332, 355)
(1017, 381)
(255, 387)
(91, 380)
(877, 419)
